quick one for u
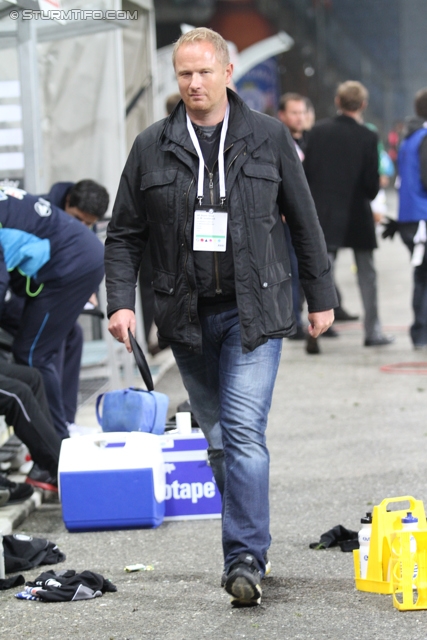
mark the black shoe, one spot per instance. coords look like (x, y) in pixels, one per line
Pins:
(379, 342)
(267, 571)
(312, 345)
(299, 335)
(19, 491)
(341, 315)
(244, 581)
(330, 333)
(42, 479)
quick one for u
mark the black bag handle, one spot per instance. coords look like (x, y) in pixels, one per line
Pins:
(141, 362)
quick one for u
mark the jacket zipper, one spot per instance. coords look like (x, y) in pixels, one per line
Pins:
(235, 158)
(186, 249)
(218, 289)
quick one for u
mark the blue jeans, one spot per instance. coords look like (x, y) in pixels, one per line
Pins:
(230, 394)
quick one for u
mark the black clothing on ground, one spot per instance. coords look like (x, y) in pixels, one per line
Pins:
(67, 586)
(23, 552)
(12, 582)
(339, 536)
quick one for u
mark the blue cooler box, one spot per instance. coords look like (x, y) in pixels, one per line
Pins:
(112, 481)
(191, 490)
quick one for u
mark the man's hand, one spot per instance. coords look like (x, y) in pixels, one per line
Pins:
(119, 324)
(320, 321)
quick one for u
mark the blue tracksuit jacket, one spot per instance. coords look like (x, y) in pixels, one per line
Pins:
(42, 242)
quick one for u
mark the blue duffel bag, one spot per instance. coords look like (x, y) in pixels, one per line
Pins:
(133, 410)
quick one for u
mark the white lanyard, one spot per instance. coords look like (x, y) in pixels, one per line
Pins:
(202, 161)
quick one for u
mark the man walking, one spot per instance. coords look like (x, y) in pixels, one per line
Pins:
(208, 185)
(341, 165)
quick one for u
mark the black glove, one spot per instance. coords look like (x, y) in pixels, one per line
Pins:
(337, 536)
(390, 228)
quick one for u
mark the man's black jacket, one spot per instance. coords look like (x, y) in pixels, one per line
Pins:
(157, 198)
(341, 165)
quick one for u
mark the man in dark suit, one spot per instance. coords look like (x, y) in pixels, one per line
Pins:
(341, 164)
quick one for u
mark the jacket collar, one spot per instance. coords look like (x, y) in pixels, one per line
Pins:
(347, 119)
(241, 126)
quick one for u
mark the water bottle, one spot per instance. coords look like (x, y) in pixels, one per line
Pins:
(364, 542)
(410, 523)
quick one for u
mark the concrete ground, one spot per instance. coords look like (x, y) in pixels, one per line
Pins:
(343, 435)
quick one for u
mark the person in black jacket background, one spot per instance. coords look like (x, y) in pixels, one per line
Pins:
(341, 165)
(221, 275)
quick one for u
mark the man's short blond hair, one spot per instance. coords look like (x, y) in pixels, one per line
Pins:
(203, 34)
(351, 95)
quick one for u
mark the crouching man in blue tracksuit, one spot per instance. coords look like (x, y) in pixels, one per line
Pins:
(55, 263)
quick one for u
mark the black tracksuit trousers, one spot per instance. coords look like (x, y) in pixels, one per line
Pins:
(24, 405)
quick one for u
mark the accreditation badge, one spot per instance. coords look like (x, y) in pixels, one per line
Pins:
(210, 229)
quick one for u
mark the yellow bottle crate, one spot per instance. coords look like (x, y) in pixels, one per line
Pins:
(385, 525)
(408, 570)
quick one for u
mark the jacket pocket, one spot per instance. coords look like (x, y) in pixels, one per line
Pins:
(158, 188)
(264, 180)
(164, 285)
(276, 294)
(164, 282)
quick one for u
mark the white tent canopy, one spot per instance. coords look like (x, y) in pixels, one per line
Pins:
(73, 96)
(75, 79)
